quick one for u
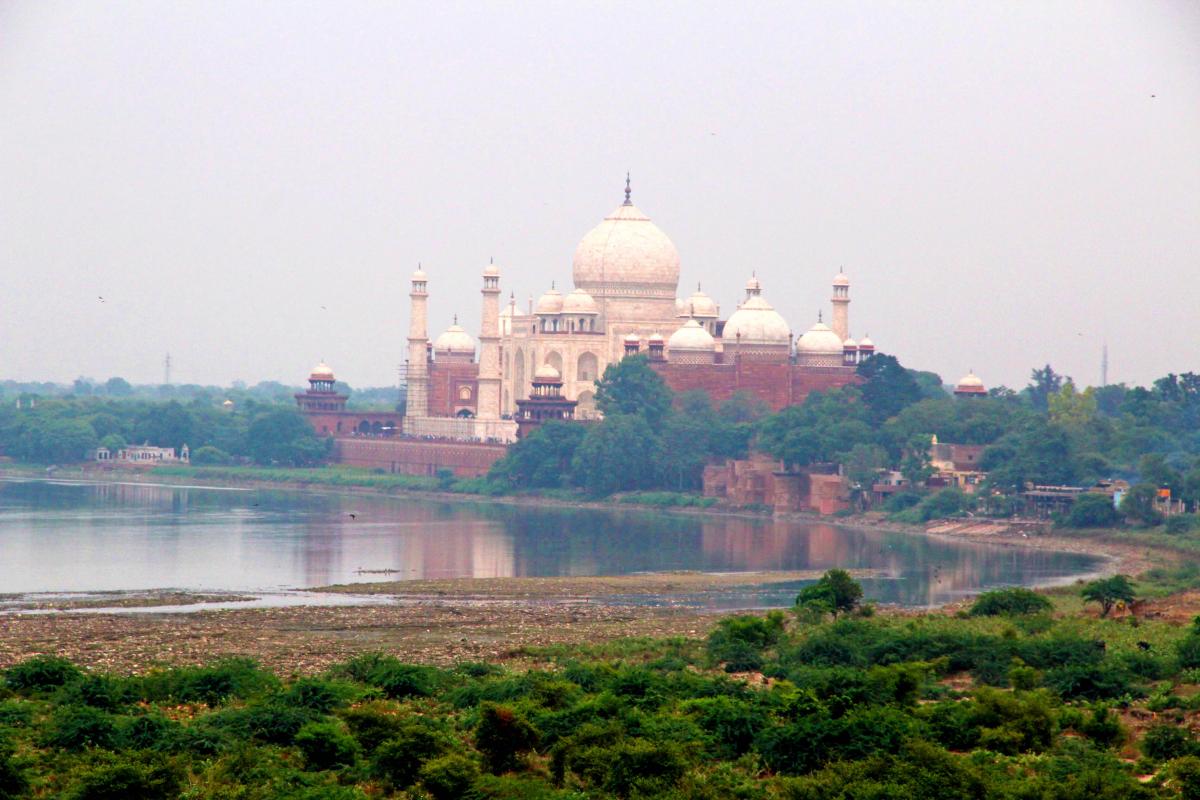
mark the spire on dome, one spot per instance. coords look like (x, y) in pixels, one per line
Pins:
(820, 316)
(628, 191)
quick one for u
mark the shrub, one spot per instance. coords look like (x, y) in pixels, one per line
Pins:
(1103, 727)
(271, 723)
(1181, 523)
(1009, 601)
(396, 679)
(1108, 592)
(77, 727)
(326, 746)
(900, 501)
(1165, 742)
(154, 780)
(738, 642)
(730, 724)
(501, 735)
(1092, 510)
(13, 781)
(373, 723)
(212, 684)
(836, 592)
(316, 694)
(41, 673)
(209, 456)
(449, 777)
(1091, 682)
(399, 759)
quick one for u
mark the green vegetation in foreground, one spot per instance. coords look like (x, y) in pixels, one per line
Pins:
(852, 706)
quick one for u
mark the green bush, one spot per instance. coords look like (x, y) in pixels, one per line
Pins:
(213, 684)
(1092, 510)
(398, 760)
(503, 734)
(1010, 601)
(123, 780)
(13, 779)
(41, 673)
(449, 777)
(1182, 523)
(77, 727)
(1165, 742)
(325, 745)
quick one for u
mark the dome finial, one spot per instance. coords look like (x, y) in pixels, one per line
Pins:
(820, 316)
(628, 191)
(456, 319)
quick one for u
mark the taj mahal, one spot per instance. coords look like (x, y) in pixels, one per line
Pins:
(625, 300)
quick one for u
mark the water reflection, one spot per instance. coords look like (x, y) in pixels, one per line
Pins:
(60, 536)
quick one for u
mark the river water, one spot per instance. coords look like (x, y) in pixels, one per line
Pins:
(64, 537)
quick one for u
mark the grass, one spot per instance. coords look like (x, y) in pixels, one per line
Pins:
(666, 499)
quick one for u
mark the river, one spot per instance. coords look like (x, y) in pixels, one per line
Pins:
(78, 537)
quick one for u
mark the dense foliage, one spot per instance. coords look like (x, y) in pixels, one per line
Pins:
(649, 438)
(63, 430)
(854, 707)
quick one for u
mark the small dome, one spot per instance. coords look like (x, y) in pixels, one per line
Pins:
(550, 303)
(753, 286)
(633, 338)
(546, 373)
(849, 344)
(228, 404)
(692, 336)
(701, 305)
(970, 381)
(491, 270)
(420, 275)
(841, 280)
(656, 338)
(454, 340)
(756, 322)
(321, 372)
(821, 339)
(681, 307)
(866, 344)
(579, 302)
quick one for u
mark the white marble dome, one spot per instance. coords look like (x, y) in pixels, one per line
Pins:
(549, 303)
(820, 339)
(454, 339)
(970, 381)
(700, 305)
(841, 280)
(579, 302)
(491, 270)
(321, 372)
(546, 373)
(692, 336)
(756, 322)
(626, 254)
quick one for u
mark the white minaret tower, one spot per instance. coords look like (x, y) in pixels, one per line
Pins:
(841, 306)
(418, 340)
(488, 405)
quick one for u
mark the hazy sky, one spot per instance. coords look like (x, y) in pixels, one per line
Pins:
(249, 185)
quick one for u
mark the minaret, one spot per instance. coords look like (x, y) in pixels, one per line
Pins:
(488, 405)
(418, 343)
(841, 306)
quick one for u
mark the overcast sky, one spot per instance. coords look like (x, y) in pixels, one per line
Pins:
(249, 185)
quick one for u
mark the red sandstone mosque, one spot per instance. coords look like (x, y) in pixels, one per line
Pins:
(543, 362)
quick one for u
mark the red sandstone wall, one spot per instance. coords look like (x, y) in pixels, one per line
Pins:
(777, 384)
(343, 423)
(418, 456)
(445, 380)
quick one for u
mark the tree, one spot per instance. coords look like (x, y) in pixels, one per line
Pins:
(630, 386)
(165, 425)
(888, 388)
(117, 387)
(1070, 408)
(916, 466)
(1138, 504)
(543, 458)
(1108, 592)
(1043, 383)
(618, 454)
(863, 462)
(835, 592)
(283, 436)
(1092, 510)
